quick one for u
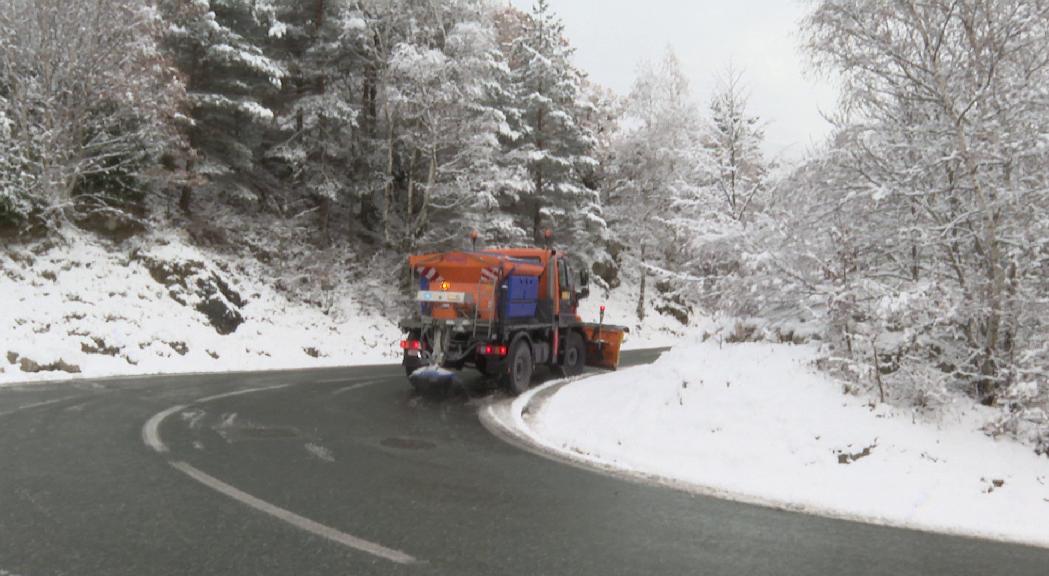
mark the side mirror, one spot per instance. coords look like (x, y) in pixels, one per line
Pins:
(584, 277)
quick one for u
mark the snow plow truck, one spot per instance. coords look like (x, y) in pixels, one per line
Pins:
(503, 312)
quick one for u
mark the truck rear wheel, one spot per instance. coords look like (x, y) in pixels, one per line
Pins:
(573, 359)
(520, 365)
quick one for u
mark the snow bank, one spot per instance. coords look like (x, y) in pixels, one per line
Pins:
(86, 309)
(754, 422)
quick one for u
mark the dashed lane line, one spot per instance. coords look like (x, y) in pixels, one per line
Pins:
(38, 405)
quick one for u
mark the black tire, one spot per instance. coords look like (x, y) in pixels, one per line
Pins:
(573, 354)
(519, 368)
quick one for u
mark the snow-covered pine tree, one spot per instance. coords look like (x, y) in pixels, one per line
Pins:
(734, 139)
(435, 81)
(386, 156)
(222, 49)
(318, 150)
(601, 118)
(553, 144)
(467, 172)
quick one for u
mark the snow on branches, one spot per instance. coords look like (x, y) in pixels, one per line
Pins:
(87, 99)
(939, 174)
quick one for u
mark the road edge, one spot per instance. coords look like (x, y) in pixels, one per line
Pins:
(505, 419)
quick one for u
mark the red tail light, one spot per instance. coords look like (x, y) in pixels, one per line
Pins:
(493, 350)
(411, 345)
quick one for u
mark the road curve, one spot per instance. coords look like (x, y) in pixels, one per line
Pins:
(343, 471)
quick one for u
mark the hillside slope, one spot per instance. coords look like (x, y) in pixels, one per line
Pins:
(159, 305)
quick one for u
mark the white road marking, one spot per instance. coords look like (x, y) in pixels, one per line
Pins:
(37, 405)
(151, 437)
(151, 430)
(355, 387)
(294, 519)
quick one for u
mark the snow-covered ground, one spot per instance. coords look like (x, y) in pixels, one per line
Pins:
(89, 309)
(756, 422)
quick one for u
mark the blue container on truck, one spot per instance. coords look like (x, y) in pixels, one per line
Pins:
(522, 293)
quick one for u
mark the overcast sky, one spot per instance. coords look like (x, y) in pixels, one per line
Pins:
(759, 37)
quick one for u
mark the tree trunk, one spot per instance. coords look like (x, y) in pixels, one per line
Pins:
(431, 181)
(537, 208)
(877, 372)
(537, 215)
(324, 219)
(388, 189)
(915, 266)
(185, 199)
(409, 205)
(641, 295)
(319, 9)
(995, 275)
(991, 252)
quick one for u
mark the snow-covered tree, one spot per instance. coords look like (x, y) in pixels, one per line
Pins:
(468, 172)
(942, 146)
(86, 99)
(734, 140)
(553, 143)
(221, 47)
(658, 164)
(681, 184)
(318, 108)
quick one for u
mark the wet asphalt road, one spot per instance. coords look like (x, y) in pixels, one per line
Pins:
(352, 449)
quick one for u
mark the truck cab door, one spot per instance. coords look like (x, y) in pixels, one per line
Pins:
(566, 290)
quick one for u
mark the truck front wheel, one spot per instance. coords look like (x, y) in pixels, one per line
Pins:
(573, 360)
(518, 375)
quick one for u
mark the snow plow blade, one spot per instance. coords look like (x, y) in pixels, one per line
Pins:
(603, 345)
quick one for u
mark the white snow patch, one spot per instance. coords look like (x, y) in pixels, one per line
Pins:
(99, 310)
(756, 422)
(319, 452)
